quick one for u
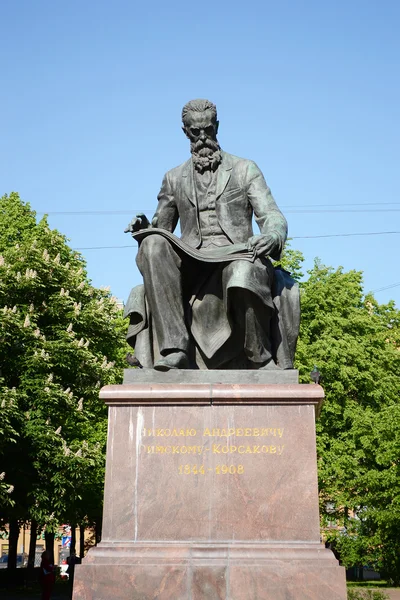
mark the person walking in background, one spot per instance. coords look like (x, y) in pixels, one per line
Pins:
(47, 576)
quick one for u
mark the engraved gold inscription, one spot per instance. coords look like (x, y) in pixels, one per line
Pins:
(220, 449)
(216, 432)
(229, 469)
(216, 449)
(175, 449)
(191, 470)
(244, 432)
(224, 441)
(218, 470)
(160, 432)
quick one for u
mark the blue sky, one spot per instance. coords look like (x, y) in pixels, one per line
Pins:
(91, 95)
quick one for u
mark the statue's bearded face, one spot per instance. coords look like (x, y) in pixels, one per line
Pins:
(201, 129)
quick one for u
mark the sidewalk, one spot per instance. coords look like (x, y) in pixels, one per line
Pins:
(61, 592)
(393, 593)
(37, 596)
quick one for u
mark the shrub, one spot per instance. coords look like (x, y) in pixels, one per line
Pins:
(358, 594)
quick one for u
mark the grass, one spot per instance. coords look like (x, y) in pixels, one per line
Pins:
(354, 593)
(369, 584)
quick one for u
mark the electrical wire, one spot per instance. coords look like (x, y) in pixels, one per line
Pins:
(328, 235)
(294, 237)
(381, 289)
(292, 208)
(386, 287)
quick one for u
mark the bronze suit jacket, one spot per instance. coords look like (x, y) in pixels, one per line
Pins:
(241, 191)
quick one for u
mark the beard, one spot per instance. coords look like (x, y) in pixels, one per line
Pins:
(206, 155)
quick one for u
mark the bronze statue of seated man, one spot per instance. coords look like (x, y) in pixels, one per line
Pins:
(212, 298)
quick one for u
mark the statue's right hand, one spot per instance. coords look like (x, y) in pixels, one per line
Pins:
(139, 222)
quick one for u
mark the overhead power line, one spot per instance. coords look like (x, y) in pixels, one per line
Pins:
(341, 204)
(381, 289)
(351, 210)
(386, 287)
(106, 247)
(294, 237)
(303, 237)
(94, 212)
(328, 211)
(292, 208)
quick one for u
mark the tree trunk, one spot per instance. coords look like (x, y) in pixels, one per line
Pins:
(73, 539)
(13, 544)
(81, 541)
(49, 541)
(32, 545)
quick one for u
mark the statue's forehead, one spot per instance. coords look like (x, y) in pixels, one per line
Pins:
(200, 119)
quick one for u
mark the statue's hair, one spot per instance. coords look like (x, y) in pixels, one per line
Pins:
(199, 105)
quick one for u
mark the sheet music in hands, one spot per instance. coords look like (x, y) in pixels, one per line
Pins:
(215, 255)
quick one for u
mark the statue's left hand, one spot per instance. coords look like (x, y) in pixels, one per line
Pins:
(139, 222)
(263, 244)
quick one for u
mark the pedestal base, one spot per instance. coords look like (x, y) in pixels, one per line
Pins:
(211, 493)
(210, 572)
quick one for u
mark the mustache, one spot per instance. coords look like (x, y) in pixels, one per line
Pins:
(204, 148)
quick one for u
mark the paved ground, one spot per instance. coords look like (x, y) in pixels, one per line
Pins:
(33, 596)
(62, 594)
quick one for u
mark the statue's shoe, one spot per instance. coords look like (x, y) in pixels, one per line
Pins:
(268, 366)
(175, 360)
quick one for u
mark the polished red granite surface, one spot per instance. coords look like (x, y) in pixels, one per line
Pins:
(211, 492)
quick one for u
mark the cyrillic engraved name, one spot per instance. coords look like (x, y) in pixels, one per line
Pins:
(175, 449)
(169, 432)
(244, 432)
(221, 449)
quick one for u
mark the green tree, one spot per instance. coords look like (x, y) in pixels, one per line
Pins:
(9, 425)
(355, 343)
(291, 260)
(61, 340)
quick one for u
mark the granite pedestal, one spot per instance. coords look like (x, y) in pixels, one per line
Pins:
(211, 491)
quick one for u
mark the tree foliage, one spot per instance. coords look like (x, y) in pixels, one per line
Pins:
(61, 340)
(356, 344)
(291, 260)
